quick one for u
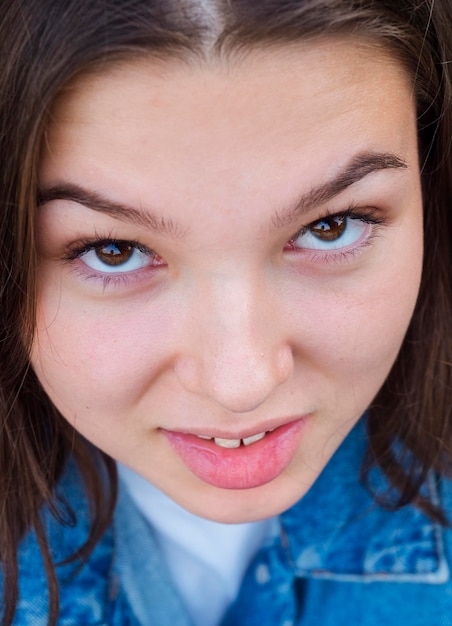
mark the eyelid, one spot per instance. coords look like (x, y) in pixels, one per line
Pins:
(369, 215)
(120, 279)
(78, 248)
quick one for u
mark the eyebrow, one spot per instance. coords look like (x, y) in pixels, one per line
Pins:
(98, 202)
(356, 169)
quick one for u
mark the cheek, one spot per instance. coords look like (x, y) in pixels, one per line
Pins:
(351, 328)
(96, 360)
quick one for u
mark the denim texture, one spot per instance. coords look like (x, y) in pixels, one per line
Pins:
(337, 559)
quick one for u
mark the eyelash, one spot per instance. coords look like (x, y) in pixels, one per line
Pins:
(370, 216)
(80, 248)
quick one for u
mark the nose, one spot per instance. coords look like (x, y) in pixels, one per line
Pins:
(239, 352)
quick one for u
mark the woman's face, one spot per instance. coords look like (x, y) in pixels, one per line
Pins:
(228, 250)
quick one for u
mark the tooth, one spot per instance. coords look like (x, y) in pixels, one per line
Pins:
(253, 438)
(227, 443)
(203, 437)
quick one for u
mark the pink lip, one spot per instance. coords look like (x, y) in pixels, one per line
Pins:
(240, 468)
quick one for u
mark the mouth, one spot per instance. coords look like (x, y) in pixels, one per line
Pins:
(239, 463)
(234, 443)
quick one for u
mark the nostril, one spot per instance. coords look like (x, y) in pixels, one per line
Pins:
(284, 363)
(238, 381)
(187, 372)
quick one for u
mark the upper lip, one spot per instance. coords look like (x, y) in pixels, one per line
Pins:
(222, 433)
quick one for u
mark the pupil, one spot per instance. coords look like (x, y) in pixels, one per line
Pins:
(330, 228)
(114, 253)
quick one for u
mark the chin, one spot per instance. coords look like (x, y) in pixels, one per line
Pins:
(238, 506)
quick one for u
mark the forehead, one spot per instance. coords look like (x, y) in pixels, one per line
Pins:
(324, 69)
(276, 114)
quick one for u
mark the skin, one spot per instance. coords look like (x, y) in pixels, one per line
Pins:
(238, 326)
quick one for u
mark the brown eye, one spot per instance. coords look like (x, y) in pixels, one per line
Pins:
(118, 257)
(114, 254)
(329, 228)
(334, 232)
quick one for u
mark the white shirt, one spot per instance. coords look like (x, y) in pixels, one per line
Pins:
(207, 560)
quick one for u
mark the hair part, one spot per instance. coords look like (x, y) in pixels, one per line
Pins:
(45, 45)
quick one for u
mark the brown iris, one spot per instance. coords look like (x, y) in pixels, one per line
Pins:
(329, 228)
(114, 253)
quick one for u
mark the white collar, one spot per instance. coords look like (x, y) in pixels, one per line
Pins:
(206, 559)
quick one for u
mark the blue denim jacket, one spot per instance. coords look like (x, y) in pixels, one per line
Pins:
(338, 559)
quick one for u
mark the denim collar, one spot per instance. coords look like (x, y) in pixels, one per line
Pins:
(82, 584)
(338, 532)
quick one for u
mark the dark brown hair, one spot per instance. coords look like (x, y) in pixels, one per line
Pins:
(47, 44)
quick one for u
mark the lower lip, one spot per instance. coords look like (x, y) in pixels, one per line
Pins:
(239, 468)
